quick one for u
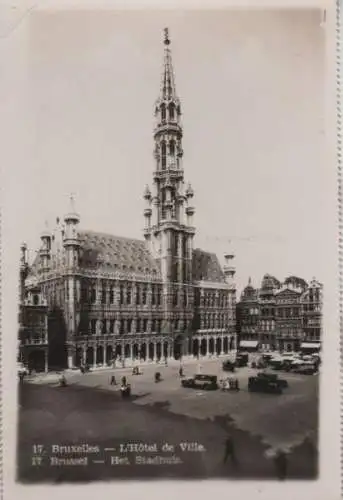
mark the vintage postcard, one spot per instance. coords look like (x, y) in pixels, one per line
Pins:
(170, 253)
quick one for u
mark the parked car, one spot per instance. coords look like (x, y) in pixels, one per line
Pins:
(276, 363)
(242, 359)
(200, 381)
(305, 369)
(273, 377)
(228, 366)
(262, 384)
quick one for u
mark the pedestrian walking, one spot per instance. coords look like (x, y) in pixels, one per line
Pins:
(181, 372)
(113, 380)
(230, 452)
(281, 465)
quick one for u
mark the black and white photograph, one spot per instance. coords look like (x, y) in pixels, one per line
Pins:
(171, 270)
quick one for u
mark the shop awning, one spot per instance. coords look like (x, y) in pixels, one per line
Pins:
(248, 343)
(310, 345)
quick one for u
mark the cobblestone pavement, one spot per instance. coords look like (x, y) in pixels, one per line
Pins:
(281, 421)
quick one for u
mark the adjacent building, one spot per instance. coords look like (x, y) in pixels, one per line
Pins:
(111, 297)
(280, 316)
(33, 347)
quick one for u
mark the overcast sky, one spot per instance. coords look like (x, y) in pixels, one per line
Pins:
(252, 91)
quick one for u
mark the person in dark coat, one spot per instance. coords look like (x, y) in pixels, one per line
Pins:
(113, 380)
(181, 371)
(281, 465)
(230, 452)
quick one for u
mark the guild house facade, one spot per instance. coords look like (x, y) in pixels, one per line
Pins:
(281, 316)
(110, 297)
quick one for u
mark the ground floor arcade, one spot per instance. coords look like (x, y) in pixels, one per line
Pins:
(35, 358)
(127, 351)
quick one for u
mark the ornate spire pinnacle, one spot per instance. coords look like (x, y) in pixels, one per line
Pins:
(46, 232)
(166, 36)
(249, 282)
(72, 215)
(168, 90)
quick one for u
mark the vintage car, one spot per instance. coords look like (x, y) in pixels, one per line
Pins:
(242, 359)
(263, 384)
(272, 377)
(305, 368)
(200, 381)
(228, 366)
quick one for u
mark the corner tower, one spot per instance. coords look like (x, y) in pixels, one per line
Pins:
(169, 230)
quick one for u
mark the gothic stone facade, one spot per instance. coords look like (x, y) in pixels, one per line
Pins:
(113, 297)
(281, 316)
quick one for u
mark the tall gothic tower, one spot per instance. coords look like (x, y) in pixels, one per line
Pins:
(169, 212)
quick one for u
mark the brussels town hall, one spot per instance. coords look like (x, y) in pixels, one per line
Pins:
(108, 297)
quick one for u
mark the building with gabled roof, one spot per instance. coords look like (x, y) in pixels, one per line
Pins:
(111, 297)
(284, 316)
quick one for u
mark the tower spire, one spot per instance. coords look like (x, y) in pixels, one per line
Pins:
(168, 90)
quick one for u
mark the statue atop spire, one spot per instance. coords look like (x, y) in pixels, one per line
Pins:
(166, 37)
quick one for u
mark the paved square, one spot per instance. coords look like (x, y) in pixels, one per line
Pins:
(91, 411)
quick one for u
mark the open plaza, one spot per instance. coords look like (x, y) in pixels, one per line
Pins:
(91, 412)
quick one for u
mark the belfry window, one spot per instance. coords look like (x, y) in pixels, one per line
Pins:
(163, 112)
(172, 111)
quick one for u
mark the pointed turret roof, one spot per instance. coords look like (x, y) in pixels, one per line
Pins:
(168, 89)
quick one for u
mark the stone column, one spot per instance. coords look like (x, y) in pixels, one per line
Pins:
(94, 356)
(84, 355)
(207, 346)
(46, 366)
(104, 355)
(222, 345)
(154, 358)
(123, 352)
(171, 349)
(70, 359)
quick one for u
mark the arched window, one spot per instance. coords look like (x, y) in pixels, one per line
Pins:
(163, 112)
(172, 148)
(164, 154)
(172, 111)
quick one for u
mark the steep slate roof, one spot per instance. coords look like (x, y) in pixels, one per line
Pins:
(206, 267)
(115, 253)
